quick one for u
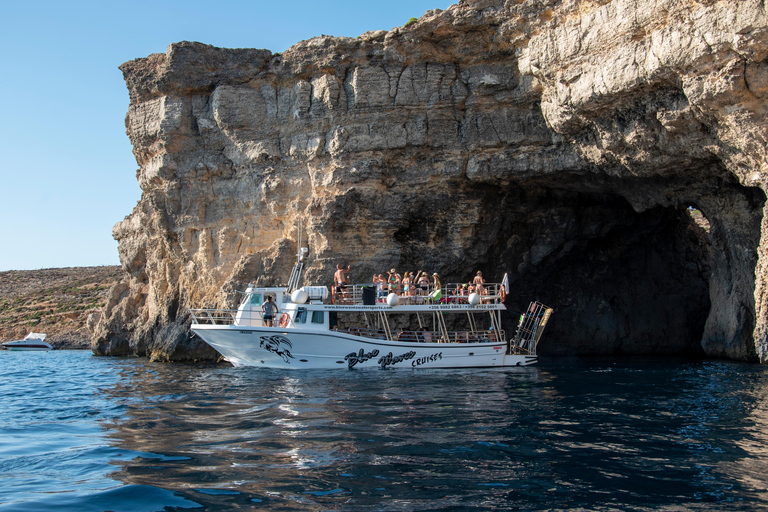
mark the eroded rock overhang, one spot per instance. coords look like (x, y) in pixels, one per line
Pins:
(564, 143)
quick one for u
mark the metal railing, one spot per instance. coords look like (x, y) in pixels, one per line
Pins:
(352, 294)
(486, 336)
(218, 316)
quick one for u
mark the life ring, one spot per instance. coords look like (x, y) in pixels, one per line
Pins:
(502, 293)
(284, 320)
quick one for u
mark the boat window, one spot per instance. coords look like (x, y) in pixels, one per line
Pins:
(318, 317)
(256, 299)
(301, 316)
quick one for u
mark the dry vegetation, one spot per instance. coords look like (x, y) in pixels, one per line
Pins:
(56, 301)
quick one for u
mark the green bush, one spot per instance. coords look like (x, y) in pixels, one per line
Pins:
(411, 21)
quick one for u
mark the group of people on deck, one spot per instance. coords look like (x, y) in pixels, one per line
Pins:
(409, 286)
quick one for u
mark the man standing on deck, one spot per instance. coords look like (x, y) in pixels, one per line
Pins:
(269, 309)
(340, 279)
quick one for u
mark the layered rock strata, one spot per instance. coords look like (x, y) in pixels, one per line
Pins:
(562, 142)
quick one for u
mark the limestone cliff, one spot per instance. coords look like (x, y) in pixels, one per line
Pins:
(561, 141)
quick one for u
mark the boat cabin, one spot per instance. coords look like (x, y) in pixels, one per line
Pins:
(249, 312)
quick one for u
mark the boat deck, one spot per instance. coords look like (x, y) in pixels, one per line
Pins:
(451, 293)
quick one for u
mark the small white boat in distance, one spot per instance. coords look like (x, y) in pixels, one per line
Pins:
(358, 329)
(32, 341)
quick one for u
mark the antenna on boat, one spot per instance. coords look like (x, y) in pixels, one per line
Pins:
(301, 255)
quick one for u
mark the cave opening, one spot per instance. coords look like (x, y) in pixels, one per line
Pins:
(621, 281)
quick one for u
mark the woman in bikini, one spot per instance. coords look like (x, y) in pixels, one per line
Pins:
(394, 281)
(479, 281)
(406, 282)
(423, 283)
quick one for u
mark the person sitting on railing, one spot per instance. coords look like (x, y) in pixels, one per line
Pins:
(452, 292)
(463, 293)
(437, 292)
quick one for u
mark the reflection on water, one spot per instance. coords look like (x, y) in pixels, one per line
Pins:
(750, 438)
(593, 435)
(294, 439)
(85, 433)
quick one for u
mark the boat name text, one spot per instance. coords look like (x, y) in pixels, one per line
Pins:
(389, 359)
(427, 359)
(352, 358)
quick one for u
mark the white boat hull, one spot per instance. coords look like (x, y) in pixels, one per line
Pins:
(309, 349)
(25, 345)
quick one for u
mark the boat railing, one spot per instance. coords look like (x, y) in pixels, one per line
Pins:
(220, 316)
(370, 294)
(486, 336)
(460, 292)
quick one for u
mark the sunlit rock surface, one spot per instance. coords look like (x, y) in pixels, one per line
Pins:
(562, 142)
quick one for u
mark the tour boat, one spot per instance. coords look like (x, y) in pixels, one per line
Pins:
(32, 341)
(356, 328)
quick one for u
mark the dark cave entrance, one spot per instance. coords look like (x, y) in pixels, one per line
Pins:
(621, 281)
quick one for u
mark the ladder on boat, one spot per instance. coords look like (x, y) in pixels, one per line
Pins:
(530, 328)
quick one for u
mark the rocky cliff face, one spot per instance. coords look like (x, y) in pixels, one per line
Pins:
(561, 141)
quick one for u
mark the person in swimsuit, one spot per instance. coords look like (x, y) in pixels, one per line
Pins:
(406, 282)
(382, 286)
(479, 281)
(394, 281)
(424, 283)
(340, 279)
(437, 288)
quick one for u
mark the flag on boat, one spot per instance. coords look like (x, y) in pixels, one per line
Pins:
(504, 288)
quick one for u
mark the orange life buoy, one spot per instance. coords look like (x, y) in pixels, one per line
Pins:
(502, 293)
(284, 320)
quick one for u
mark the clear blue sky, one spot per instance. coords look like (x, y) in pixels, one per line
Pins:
(67, 174)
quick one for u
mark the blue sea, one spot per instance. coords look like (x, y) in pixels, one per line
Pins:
(86, 433)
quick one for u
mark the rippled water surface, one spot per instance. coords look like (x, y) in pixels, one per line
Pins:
(78, 432)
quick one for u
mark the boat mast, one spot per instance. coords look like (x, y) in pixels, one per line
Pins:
(293, 281)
